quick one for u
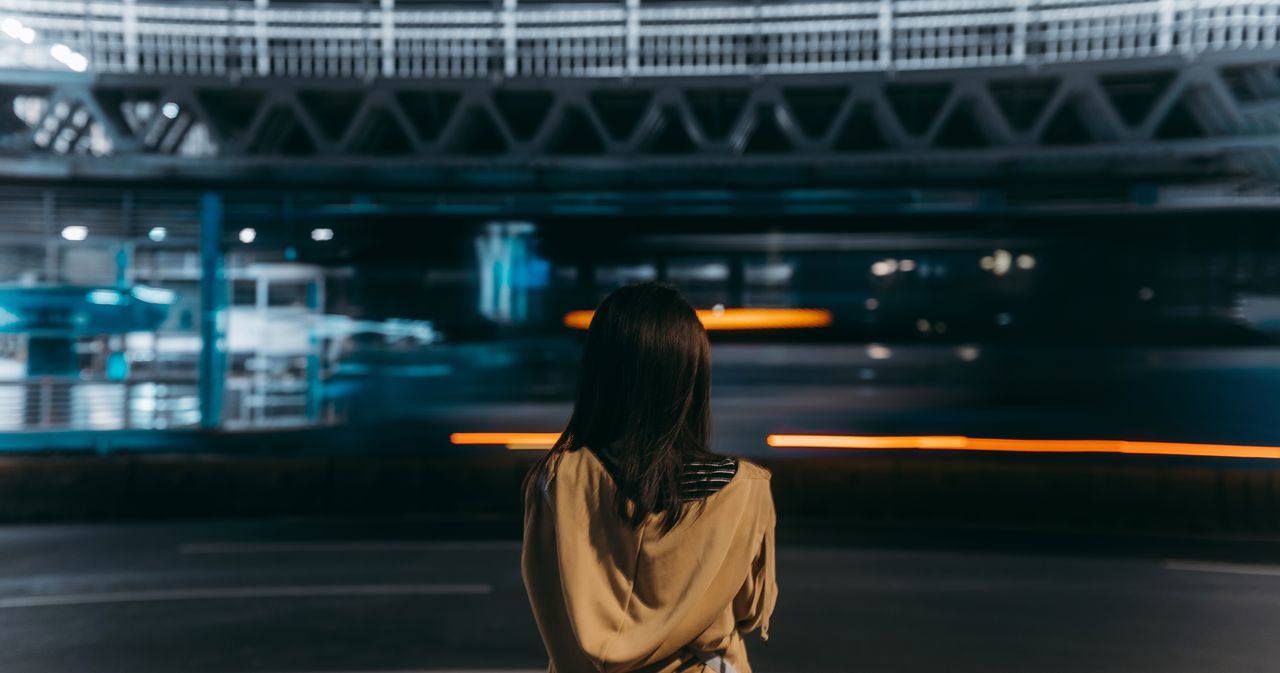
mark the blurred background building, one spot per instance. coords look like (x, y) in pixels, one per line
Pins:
(262, 215)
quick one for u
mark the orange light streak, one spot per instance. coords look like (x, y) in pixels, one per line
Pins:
(541, 441)
(517, 441)
(958, 443)
(737, 318)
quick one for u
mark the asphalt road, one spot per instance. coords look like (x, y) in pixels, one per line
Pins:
(313, 596)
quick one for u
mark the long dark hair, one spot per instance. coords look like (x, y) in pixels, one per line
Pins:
(644, 393)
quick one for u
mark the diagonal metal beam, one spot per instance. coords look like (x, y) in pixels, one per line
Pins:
(1096, 110)
(1163, 105)
(122, 141)
(886, 119)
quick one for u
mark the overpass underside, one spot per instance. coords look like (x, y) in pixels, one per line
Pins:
(1143, 131)
(815, 106)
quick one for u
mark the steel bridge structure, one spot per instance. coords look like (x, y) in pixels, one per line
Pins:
(1148, 95)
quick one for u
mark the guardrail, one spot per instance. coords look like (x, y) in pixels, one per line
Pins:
(70, 403)
(624, 39)
(282, 474)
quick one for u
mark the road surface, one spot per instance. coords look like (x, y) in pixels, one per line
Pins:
(311, 596)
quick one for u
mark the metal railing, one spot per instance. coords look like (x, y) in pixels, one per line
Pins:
(623, 39)
(72, 403)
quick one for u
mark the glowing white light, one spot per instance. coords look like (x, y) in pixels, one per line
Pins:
(69, 57)
(871, 304)
(75, 232)
(1146, 294)
(1026, 262)
(170, 110)
(77, 62)
(154, 295)
(157, 234)
(105, 297)
(28, 35)
(322, 234)
(907, 265)
(879, 352)
(718, 309)
(967, 352)
(923, 325)
(1002, 261)
(247, 235)
(12, 27)
(987, 263)
(884, 267)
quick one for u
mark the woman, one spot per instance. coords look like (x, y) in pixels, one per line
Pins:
(643, 550)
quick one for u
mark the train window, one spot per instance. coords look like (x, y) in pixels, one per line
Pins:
(769, 273)
(767, 281)
(616, 275)
(702, 271)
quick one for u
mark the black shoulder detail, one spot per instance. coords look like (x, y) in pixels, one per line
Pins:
(703, 478)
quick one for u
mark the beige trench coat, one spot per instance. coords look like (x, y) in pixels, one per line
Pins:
(611, 599)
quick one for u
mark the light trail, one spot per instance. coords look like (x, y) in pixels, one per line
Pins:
(960, 443)
(541, 441)
(517, 441)
(737, 318)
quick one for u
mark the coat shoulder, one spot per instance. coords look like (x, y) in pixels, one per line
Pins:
(752, 470)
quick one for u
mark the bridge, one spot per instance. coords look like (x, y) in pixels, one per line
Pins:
(886, 92)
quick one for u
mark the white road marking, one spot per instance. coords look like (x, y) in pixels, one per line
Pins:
(215, 593)
(454, 670)
(331, 547)
(1227, 568)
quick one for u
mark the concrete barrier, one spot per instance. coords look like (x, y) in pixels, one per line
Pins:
(55, 487)
(1111, 493)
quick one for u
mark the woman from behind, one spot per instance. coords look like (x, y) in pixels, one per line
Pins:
(644, 550)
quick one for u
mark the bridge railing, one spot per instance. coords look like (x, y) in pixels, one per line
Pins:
(622, 39)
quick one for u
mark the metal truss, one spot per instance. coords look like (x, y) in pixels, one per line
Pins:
(622, 38)
(1127, 120)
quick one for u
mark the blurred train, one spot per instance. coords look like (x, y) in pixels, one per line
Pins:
(1067, 326)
